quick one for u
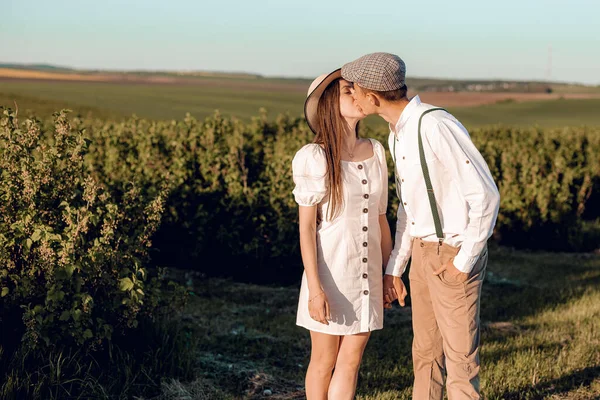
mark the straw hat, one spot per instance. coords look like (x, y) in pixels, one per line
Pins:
(315, 91)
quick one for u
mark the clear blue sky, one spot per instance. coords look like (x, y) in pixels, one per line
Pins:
(447, 39)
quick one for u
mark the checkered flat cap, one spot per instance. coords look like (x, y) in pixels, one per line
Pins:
(376, 71)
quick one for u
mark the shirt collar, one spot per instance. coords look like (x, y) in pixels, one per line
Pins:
(406, 113)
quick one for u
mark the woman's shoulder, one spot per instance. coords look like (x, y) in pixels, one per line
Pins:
(378, 148)
(309, 159)
(376, 144)
(311, 151)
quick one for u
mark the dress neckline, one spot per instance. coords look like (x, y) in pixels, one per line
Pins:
(366, 159)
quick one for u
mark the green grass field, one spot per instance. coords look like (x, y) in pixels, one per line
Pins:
(550, 113)
(244, 97)
(540, 311)
(160, 101)
(541, 336)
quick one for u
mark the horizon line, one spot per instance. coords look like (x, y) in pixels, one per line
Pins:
(3, 64)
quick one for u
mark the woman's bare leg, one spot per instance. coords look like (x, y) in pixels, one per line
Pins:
(324, 349)
(345, 375)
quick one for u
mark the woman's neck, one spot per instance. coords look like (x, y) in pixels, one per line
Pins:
(350, 135)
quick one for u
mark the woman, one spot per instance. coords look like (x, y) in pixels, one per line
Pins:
(342, 190)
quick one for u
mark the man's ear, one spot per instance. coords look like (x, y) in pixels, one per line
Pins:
(373, 99)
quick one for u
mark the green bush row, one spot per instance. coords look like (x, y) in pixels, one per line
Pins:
(226, 187)
(230, 210)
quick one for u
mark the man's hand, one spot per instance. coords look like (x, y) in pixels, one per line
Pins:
(452, 273)
(393, 288)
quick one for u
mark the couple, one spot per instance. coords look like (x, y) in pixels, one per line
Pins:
(448, 208)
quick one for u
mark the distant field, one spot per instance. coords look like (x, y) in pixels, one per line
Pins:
(243, 97)
(553, 113)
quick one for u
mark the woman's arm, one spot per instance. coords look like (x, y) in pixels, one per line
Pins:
(391, 285)
(308, 247)
(318, 306)
(386, 239)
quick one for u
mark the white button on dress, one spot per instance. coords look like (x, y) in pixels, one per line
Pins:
(348, 247)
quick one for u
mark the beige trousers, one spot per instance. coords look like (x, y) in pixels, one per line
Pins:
(445, 318)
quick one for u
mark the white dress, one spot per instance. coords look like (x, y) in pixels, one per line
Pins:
(349, 247)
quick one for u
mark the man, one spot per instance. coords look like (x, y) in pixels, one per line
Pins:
(448, 208)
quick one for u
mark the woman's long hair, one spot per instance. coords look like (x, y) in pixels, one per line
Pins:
(331, 129)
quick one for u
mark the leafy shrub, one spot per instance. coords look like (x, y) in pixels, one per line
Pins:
(72, 255)
(231, 211)
(226, 187)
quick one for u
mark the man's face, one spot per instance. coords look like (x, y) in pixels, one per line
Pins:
(362, 99)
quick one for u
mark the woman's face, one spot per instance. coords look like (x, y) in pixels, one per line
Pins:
(348, 107)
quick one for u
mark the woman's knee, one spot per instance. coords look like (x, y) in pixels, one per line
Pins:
(348, 362)
(350, 354)
(323, 362)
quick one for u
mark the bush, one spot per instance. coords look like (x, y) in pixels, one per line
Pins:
(72, 254)
(548, 181)
(231, 212)
(225, 187)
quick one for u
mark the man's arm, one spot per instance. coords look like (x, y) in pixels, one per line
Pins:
(454, 149)
(402, 245)
(402, 241)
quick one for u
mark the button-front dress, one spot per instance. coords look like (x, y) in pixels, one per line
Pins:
(349, 253)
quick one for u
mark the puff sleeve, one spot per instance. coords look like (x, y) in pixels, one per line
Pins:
(309, 170)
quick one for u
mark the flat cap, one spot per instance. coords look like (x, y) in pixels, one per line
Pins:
(376, 71)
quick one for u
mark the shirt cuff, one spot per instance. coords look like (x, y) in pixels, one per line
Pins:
(396, 267)
(463, 262)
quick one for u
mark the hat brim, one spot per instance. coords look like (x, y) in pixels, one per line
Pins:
(312, 100)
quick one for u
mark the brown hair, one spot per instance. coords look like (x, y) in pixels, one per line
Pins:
(330, 130)
(390, 95)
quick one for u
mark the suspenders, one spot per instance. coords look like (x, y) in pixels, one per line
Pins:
(434, 211)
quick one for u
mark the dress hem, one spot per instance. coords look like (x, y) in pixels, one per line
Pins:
(336, 334)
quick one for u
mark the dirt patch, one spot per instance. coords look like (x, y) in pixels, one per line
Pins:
(35, 75)
(269, 85)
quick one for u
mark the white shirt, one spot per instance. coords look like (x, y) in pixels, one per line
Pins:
(349, 257)
(466, 195)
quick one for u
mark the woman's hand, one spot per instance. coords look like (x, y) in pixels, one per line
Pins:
(393, 289)
(318, 308)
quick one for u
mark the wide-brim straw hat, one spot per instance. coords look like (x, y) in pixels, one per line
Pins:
(315, 91)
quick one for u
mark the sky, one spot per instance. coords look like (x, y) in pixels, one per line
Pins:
(461, 39)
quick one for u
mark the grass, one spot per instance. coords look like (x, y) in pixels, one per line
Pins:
(43, 109)
(159, 101)
(133, 365)
(244, 97)
(549, 113)
(541, 336)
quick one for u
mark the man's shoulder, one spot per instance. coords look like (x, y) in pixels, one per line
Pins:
(432, 119)
(433, 112)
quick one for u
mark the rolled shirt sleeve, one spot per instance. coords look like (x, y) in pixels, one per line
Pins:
(454, 149)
